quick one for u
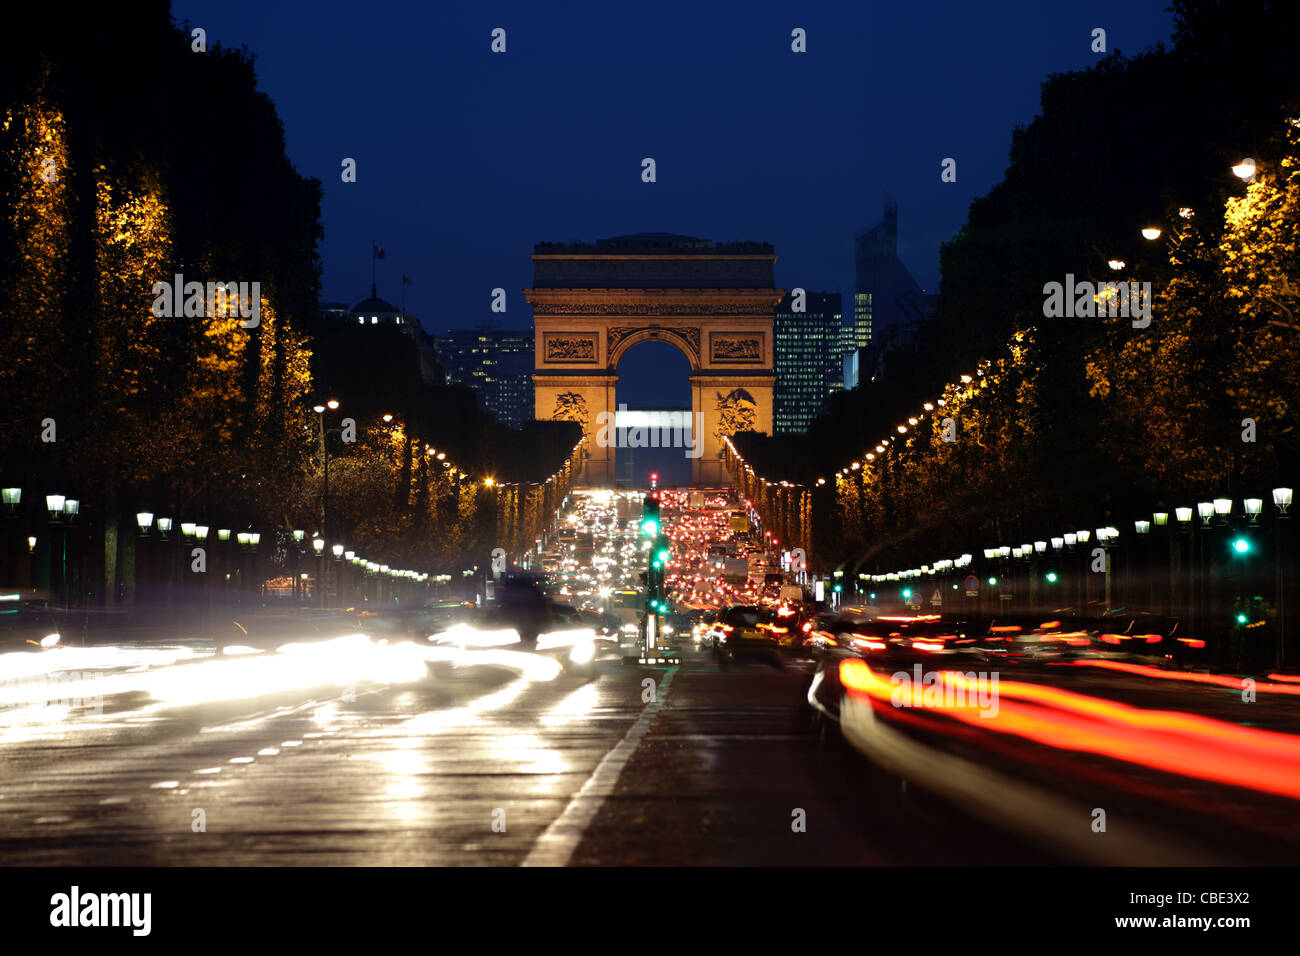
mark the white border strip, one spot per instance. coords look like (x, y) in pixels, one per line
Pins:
(556, 845)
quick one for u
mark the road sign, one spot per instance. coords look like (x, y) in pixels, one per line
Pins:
(1005, 597)
(937, 599)
(972, 584)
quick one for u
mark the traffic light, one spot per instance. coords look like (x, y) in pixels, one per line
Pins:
(654, 479)
(650, 516)
(1241, 545)
(660, 554)
(1051, 577)
(907, 593)
(992, 581)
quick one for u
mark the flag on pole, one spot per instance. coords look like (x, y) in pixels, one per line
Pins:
(379, 253)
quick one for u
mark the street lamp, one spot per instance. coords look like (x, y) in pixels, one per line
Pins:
(1282, 499)
(1184, 516)
(332, 404)
(1142, 527)
(1151, 232)
(12, 498)
(1244, 170)
(1253, 507)
(144, 519)
(1058, 543)
(318, 545)
(1206, 510)
(165, 526)
(1161, 518)
(54, 505)
(1222, 508)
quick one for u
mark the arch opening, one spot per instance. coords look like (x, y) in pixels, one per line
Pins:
(655, 429)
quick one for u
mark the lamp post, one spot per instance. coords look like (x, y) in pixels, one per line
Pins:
(1183, 598)
(1282, 498)
(1143, 529)
(298, 535)
(337, 551)
(332, 404)
(12, 499)
(1083, 536)
(318, 545)
(58, 549)
(71, 509)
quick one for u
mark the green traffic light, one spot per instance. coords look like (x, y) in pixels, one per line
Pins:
(907, 592)
(1241, 545)
(1243, 619)
(664, 556)
(992, 581)
(650, 527)
(839, 588)
(1051, 577)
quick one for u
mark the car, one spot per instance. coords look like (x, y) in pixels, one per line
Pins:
(705, 632)
(27, 622)
(746, 631)
(787, 622)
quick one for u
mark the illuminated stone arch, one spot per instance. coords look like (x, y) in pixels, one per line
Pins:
(714, 302)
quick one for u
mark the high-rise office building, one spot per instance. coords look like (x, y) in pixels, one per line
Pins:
(888, 304)
(497, 364)
(809, 363)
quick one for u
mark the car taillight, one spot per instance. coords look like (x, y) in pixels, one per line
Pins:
(868, 644)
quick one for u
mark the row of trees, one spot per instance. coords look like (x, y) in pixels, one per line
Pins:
(128, 156)
(1063, 421)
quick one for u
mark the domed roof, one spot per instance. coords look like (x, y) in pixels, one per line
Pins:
(373, 305)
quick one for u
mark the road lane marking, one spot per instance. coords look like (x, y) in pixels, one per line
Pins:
(556, 846)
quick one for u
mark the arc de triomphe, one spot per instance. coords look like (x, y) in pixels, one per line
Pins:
(713, 301)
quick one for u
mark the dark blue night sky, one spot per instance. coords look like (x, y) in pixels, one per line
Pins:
(466, 158)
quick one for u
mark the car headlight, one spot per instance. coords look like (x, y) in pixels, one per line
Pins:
(582, 652)
(49, 640)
